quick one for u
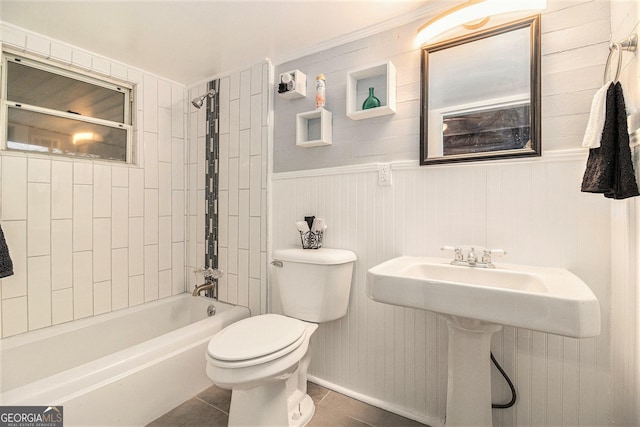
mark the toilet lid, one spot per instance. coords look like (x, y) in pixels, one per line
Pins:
(255, 337)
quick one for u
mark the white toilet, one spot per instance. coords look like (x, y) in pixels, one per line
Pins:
(264, 359)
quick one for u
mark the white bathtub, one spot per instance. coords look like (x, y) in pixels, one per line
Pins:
(122, 368)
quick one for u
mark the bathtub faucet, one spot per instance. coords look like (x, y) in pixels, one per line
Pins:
(211, 276)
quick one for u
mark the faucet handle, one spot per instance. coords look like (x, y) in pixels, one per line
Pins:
(488, 253)
(457, 252)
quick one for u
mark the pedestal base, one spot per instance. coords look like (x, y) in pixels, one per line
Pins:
(469, 372)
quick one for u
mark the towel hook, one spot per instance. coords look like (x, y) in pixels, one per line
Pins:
(614, 47)
(630, 44)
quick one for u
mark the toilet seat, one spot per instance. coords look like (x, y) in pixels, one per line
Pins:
(256, 340)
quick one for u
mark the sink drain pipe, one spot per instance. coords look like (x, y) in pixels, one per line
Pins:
(513, 389)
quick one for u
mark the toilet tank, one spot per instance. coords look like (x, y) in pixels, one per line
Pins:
(314, 284)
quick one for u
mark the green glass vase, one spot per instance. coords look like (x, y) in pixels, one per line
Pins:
(371, 101)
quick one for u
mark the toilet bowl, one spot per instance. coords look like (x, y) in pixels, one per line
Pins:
(264, 359)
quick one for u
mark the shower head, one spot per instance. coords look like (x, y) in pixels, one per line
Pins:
(197, 102)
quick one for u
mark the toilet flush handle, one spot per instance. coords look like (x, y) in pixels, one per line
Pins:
(276, 263)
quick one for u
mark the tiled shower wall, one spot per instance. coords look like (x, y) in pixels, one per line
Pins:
(242, 198)
(88, 237)
(396, 357)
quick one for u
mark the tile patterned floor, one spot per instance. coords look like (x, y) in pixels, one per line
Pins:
(211, 408)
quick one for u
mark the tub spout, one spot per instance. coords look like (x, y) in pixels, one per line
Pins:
(209, 286)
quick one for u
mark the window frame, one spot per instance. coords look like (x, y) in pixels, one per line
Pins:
(23, 58)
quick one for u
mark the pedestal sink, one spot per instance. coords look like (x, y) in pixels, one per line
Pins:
(476, 302)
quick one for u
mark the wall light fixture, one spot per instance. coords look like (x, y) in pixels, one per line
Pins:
(471, 11)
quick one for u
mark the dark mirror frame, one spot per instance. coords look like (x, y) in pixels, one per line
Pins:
(535, 136)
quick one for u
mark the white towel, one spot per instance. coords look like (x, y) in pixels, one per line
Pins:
(303, 227)
(595, 124)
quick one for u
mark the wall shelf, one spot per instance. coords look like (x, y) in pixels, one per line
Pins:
(382, 78)
(313, 128)
(299, 82)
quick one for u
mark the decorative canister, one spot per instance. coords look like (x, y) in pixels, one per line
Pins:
(321, 85)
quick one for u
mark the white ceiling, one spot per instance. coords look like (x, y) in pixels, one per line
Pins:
(190, 41)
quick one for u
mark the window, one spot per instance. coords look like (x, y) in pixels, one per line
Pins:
(53, 110)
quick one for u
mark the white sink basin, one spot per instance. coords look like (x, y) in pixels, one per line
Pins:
(539, 298)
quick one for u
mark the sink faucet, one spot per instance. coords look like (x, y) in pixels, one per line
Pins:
(211, 276)
(472, 258)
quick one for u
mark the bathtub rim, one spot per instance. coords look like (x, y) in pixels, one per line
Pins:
(63, 386)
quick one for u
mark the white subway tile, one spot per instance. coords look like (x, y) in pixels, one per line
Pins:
(151, 287)
(243, 220)
(136, 192)
(255, 190)
(255, 297)
(202, 169)
(256, 124)
(82, 172)
(101, 191)
(243, 277)
(254, 248)
(223, 218)
(234, 86)
(150, 160)
(60, 53)
(136, 246)
(101, 297)
(14, 316)
(164, 284)
(101, 249)
(119, 71)
(256, 79)
(150, 103)
(233, 186)
(164, 189)
(61, 254)
(234, 128)
(39, 170)
(192, 242)
(223, 285)
(14, 188)
(38, 219)
(136, 290)
(82, 284)
(232, 289)
(119, 217)
(13, 37)
(101, 66)
(81, 59)
(62, 306)
(201, 215)
(164, 243)
(223, 163)
(177, 216)
(38, 45)
(233, 245)
(245, 99)
(164, 135)
(82, 218)
(178, 94)
(177, 164)
(223, 100)
(244, 161)
(119, 278)
(39, 292)
(15, 233)
(164, 94)
(61, 190)
(150, 216)
(178, 282)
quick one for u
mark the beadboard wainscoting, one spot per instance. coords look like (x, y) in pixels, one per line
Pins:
(88, 237)
(397, 357)
(242, 192)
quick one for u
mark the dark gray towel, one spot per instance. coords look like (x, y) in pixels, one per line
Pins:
(609, 168)
(6, 265)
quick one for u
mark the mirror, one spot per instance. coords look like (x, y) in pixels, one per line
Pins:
(480, 95)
